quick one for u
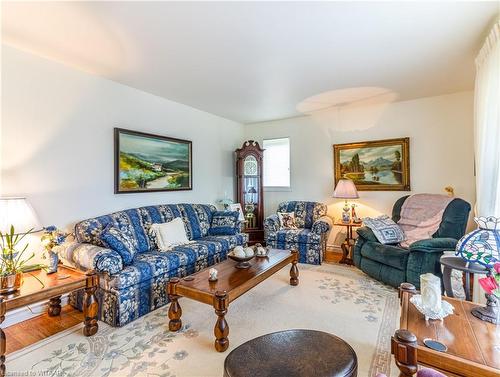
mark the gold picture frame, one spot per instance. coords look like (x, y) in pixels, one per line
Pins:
(378, 165)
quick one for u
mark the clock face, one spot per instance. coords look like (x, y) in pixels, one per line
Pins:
(250, 166)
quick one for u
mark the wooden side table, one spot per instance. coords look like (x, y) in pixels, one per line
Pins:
(65, 280)
(348, 242)
(473, 345)
(450, 263)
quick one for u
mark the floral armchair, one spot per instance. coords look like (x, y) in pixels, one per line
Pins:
(310, 236)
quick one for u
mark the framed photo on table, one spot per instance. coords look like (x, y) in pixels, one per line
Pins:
(237, 207)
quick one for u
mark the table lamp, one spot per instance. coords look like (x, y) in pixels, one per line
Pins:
(19, 213)
(346, 189)
(482, 246)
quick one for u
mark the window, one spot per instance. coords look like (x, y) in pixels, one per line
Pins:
(277, 162)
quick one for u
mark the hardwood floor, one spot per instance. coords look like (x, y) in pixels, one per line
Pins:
(35, 329)
(333, 255)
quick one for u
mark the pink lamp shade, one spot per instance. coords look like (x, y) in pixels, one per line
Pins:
(345, 189)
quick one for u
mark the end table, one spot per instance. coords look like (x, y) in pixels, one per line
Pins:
(65, 280)
(450, 263)
(348, 242)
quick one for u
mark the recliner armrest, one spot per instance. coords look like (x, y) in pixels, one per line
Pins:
(367, 234)
(431, 245)
(86, 256)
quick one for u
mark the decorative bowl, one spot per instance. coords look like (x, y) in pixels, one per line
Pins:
(266, 253)
(242, 262)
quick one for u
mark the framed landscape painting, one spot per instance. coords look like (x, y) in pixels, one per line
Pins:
(147, 163)
(381, 165)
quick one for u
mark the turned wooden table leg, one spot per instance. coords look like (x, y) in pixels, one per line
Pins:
(90, 304)
(174, 311)
(346, 247)
(294, 271)
(55, 306)
(221, 329)
(406, 287)
(3, 340)
(404, 349)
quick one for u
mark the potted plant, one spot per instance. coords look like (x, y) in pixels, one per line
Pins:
(13, 263)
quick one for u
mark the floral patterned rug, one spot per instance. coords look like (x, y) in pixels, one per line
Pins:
(332, 298)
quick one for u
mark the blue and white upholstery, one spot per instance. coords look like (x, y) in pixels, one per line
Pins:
(313, 227)
(132, 288)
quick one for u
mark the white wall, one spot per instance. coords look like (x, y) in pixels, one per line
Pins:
(441, 150)
(57, 140)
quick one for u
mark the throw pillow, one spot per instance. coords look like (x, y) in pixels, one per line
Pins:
(386, 230)
(224, 223)
(171, 234)
(120, 241)
(287, 220)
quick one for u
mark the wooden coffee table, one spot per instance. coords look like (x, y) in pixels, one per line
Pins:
(65, 280)
(231, 284)
(473, 345)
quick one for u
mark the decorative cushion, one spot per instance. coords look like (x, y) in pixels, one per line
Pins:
(224, 223)
(120, 241)
(306, 213)
(168, 235)
(287, 220)
(386, 230)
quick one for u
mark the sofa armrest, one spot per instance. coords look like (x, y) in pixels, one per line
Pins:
(322, 225)
(240, 225)
(272, 223)
(367, 234)
(86, 256)
(433, 245)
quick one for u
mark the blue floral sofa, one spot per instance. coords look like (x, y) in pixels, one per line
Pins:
(313, 227)
(130, 290)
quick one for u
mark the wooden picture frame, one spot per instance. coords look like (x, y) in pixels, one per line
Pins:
(150, 163)
(379, 165)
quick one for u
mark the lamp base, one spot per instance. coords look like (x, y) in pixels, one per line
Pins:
(346, 215)
(490, 312)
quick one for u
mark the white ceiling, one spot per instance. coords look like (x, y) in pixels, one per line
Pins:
(255, 61)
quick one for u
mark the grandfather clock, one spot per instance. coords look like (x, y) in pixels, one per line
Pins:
(250, 189)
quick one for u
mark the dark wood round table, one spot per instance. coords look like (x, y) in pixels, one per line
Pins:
(450, 263)
(292, 353)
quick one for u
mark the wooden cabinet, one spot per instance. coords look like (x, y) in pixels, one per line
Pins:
(250, 188)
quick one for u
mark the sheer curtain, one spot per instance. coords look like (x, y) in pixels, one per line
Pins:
(487, 125)
(487, 133)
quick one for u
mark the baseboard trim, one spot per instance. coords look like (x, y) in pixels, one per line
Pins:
(334, 248)
(27, 312)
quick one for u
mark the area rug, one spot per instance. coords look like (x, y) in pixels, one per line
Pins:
(337, 299)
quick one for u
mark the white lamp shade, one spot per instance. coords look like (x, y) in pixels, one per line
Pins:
(346, 189)
(19, 213)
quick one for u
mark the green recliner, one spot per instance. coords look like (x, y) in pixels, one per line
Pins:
(394, 265)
